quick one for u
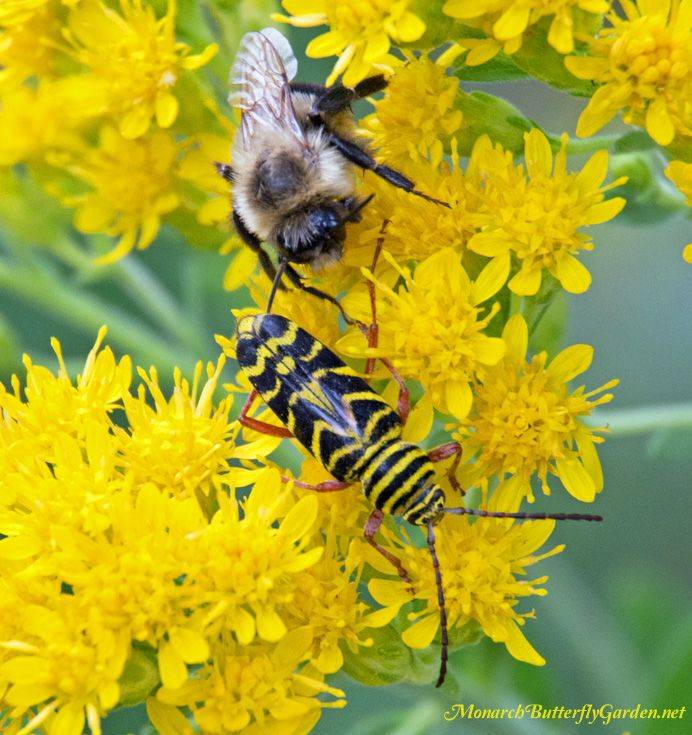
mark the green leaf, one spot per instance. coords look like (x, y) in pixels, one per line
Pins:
(487, 114)
(500, 68)
(387, 661)
(547, 318)
(540, 60)
(140, 676)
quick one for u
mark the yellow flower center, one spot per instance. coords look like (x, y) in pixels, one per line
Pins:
(522, 420)
(651, 57)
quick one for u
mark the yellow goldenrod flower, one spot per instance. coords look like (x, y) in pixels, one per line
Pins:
(26, 49)
(132, 187)
(326, 601)
(415, 227)
(416, 118)
(526, 422)
(16, 12)
(65, 668)
(445, 348)
(506, 21)
(183, 444)
(135, 58)
(643, 62)
(252, 689)
(198, 168)
(536, 212)
(244, 568)
(36, 124)
(484, 567)
(360, 32)
(680, 173)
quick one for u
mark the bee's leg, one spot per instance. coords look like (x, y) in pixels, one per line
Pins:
(355, 154)
(255, 244)
(444, 451)
(328, 486)
(297, 281)
(338, 98)
(255, 424)
(371, 528)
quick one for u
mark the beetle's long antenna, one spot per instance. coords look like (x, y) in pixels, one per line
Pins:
(275, 284)
(444, 640)
(523, 516)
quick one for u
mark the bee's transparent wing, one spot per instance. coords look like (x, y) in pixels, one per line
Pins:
(260, 84)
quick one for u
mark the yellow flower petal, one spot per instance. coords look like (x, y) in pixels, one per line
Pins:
(421, 633)
(166, 110)
(135, 123)
(167, 719)
(243, 626)
(388, 592)
(512, 22)
(328, 44)
(69, 720)
(519, 647)
(409, 27)
(576, 479)
(574, 277)
(659, 124)
(19, 547)
(491, 279)
(239, 271)
(270, 626)
(489, 350)
(189, 645)
(539, 157)
(526, 282)
(482, 53)
(604, 211)
(171, 667)
(516, 337)
(198, 60)
(458, 398)
(569, 363)
(300, 518)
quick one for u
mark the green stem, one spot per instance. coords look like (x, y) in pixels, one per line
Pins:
(88, 313)
(139, 282)
(136, 280)
(645, 420)
(578, 147)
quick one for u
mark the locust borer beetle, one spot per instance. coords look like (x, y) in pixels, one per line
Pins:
(355, 434)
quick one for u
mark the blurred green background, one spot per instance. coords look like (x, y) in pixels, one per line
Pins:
(616, 626)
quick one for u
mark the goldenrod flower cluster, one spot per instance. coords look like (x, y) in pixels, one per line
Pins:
(153, 551)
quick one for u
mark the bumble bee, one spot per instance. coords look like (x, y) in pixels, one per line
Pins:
(293, 159)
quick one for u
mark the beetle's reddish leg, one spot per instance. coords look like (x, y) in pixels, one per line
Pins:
(255, 424)
(328, 486)
(373, 329)
(444, 451)
(372, 526)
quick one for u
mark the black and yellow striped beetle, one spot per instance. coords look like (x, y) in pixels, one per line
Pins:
(354, 433)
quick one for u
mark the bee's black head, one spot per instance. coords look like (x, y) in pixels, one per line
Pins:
(316, 233)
